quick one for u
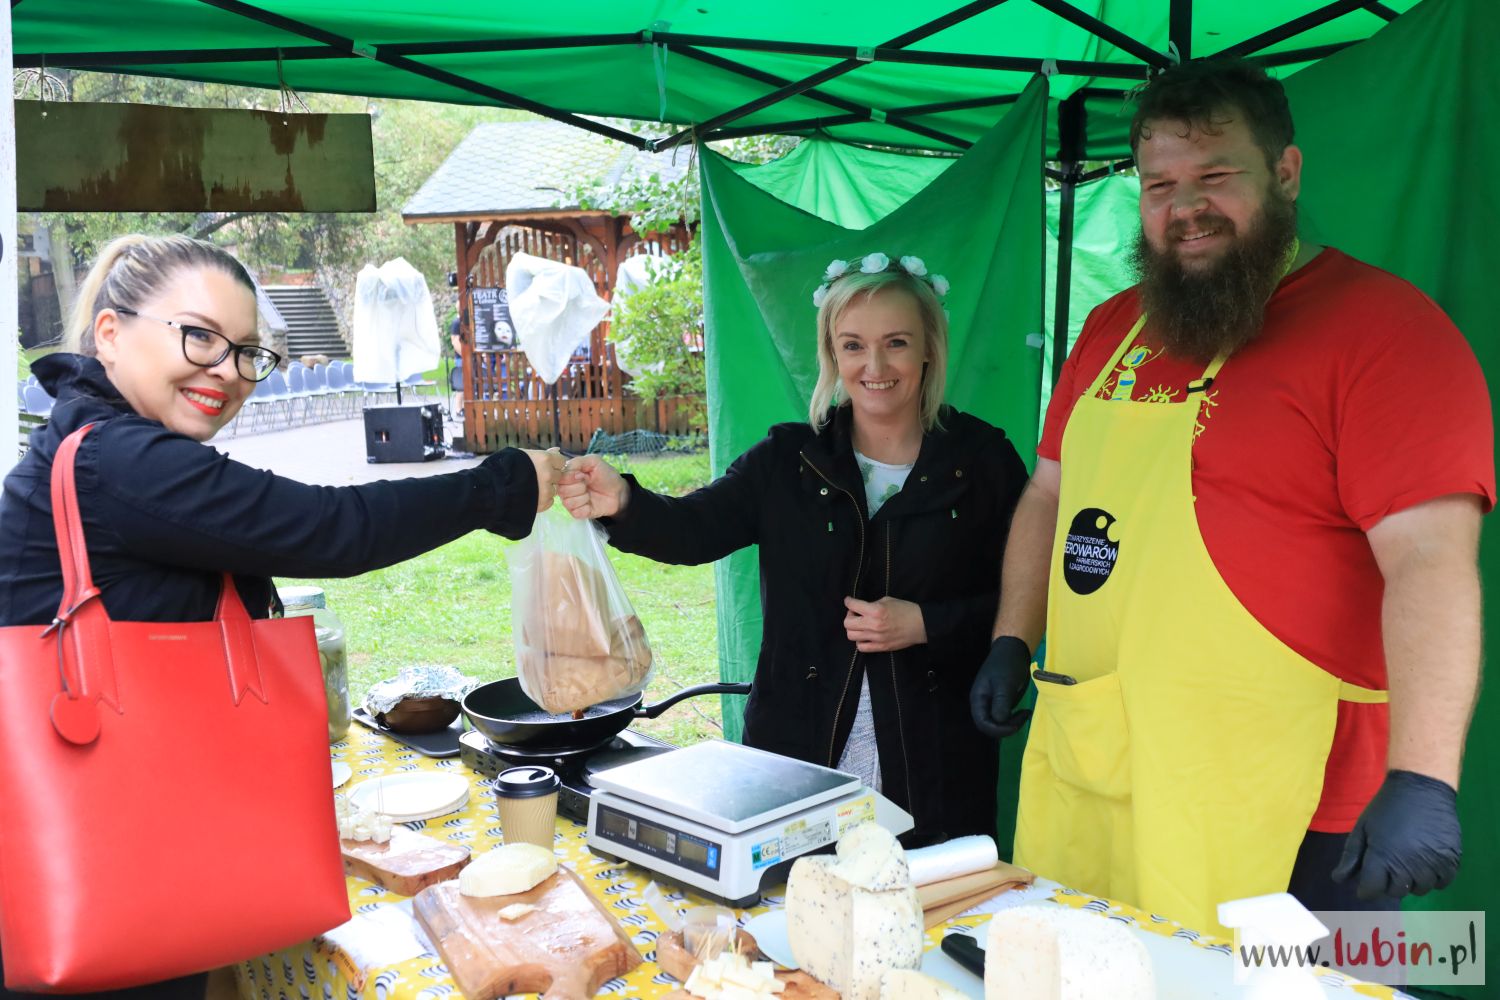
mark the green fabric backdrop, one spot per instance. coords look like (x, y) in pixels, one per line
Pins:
(850, 186)
(1106, 218)
(979, 223)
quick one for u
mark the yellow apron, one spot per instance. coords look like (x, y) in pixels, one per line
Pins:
(1183, 767)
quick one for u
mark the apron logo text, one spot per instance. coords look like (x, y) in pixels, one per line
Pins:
(1089, 554)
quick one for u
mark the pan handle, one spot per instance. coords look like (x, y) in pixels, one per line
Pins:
(652, 711)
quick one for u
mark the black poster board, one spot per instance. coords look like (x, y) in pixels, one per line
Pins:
(493, 330)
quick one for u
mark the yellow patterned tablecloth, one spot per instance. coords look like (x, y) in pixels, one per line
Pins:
(317, 970)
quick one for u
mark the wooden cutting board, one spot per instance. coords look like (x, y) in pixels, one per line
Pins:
(942, 901)
(565, 949)
(406, 864)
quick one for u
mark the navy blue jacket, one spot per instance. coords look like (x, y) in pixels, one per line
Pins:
(937, 543)
(164, 516)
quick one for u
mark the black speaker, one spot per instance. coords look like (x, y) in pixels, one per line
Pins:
(404, 433)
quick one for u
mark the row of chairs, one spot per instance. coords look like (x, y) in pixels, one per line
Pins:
(307, 395)
(300, 395)
(32, 398)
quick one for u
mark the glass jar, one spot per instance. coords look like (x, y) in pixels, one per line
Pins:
(330, 632)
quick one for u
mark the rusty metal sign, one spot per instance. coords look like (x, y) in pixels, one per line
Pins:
(142, 158)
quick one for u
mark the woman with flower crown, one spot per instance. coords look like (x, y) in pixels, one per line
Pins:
(881, 523)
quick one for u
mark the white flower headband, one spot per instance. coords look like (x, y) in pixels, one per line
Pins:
(874, 263)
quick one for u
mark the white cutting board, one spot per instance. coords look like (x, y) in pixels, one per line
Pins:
(1183, 970)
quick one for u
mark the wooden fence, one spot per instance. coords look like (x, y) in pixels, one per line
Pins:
(528, 423)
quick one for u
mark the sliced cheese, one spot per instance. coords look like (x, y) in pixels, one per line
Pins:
(732, 976)
(845, 933)
(904, 984)
(506, 870)
(1049, 952)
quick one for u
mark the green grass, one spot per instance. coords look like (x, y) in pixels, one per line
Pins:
(452, 606)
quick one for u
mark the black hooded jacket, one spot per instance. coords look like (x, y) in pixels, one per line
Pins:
(937, 543)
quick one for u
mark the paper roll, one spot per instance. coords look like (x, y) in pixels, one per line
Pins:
(950, 859)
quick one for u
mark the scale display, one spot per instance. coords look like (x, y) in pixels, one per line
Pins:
(676, 846)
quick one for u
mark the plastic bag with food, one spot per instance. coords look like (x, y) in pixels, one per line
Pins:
(578, 640)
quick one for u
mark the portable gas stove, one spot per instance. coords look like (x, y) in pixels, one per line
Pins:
(575, 768)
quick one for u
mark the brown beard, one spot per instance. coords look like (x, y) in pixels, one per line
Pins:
(1205, 313)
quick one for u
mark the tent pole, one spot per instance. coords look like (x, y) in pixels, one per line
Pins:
(10, 435)
(933, 27)
(1100, 29)
(1064, 268)
(832, 121)
(397, 61)
(1098, 172)
(1180, 28)
(865, 112)
(1070, 127)
(1295, 27)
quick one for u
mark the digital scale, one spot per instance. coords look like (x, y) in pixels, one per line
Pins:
(719, 817)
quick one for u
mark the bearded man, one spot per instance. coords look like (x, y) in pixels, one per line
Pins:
(1252, 536)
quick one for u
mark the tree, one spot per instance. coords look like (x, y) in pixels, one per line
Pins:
(659, 328)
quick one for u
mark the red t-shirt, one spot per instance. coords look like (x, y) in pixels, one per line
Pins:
(1358, 399)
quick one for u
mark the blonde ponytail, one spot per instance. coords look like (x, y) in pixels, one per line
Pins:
(78, 336)
(132, 268)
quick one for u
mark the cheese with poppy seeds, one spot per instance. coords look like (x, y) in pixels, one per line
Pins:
(854, 916)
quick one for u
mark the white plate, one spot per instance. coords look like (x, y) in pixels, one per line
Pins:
(769, 931)
(341, 773)
(412, 795)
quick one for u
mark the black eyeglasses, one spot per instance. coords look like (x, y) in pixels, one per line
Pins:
(206, 348)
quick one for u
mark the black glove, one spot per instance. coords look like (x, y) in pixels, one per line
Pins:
(998, 687)
(1406, 840)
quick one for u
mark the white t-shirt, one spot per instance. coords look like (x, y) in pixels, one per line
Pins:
(861, 756)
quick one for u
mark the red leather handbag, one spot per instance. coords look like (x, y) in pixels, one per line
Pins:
(167, 800)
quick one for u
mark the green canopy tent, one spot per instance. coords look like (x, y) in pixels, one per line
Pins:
(1398, 130)
(932, 76)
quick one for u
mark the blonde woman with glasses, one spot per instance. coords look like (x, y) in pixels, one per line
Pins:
(880, 522)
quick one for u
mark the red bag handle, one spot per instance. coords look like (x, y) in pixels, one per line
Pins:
(85, 661)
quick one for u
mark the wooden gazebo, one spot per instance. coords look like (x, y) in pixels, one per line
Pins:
(505, 189)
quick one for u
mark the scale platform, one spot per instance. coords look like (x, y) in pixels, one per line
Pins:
(719, 817)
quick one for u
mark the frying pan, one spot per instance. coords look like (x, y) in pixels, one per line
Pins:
(502, 712)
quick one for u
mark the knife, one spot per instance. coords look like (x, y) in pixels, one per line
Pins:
(964, 950)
